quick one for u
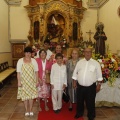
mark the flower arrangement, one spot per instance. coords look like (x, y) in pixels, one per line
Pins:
(81, 45)
(110, 67)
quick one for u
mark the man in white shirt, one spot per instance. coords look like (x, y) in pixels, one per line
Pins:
(46, 47)
(87, 72)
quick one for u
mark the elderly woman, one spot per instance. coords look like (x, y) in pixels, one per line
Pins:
(27, 75)
(70, 68)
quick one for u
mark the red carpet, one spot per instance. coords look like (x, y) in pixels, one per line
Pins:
(65, 114)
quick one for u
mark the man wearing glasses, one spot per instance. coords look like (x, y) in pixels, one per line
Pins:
(87, 78)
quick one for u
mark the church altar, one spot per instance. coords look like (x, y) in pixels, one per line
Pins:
(58, 21)
(109, 96)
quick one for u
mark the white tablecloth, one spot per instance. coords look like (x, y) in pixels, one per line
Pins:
(109, 96)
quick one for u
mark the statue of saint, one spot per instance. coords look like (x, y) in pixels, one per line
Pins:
(100, 38)
(55, 28)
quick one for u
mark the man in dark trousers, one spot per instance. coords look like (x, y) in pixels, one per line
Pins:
(87, 78)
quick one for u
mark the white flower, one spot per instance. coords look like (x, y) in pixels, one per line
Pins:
(33, 47)
(113, 60)
(63, 45)
(100, 60)
(102, 65)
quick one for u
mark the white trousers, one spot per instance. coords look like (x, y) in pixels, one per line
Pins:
(57, 99)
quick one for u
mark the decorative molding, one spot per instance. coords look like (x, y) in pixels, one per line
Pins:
(4, 52)
(13, 2)
(96, 3)
(18, 41)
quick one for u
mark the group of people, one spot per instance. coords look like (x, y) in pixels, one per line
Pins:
(81, 77)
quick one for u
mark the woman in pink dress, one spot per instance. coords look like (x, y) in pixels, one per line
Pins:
(44, 67)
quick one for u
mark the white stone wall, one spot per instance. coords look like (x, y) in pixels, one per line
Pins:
(19, 21)
(5, 48)
(111, 20)
(20, 24)
(4, 27)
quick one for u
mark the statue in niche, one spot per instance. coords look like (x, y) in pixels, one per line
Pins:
(100, 38)
(36, 31)
(55, 28)
(75, 33)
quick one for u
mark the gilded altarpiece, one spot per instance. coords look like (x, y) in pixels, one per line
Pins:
(65, 15)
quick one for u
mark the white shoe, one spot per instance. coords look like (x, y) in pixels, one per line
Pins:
(31, 113)
(27, 114)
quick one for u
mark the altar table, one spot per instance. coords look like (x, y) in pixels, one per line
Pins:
(109, 96)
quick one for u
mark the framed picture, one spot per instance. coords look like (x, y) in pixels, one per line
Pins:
(18, 50)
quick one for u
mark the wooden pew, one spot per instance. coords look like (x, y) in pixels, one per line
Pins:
(6, 72)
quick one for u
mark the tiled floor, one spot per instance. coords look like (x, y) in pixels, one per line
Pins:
(13, 109)
(10, 107)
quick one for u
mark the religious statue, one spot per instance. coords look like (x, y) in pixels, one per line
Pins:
(100, 38)
(55, 31)
(36, 31)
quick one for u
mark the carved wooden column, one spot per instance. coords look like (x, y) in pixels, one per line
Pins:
(34, 16)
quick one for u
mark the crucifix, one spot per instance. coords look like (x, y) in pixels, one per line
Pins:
(89, 33)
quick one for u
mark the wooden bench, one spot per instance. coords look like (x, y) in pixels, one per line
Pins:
(6, 72)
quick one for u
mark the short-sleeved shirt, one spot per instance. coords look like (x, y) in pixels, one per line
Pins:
(87, 72)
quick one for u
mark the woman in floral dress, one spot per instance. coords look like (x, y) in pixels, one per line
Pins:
(27, 75)
(44, 67)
